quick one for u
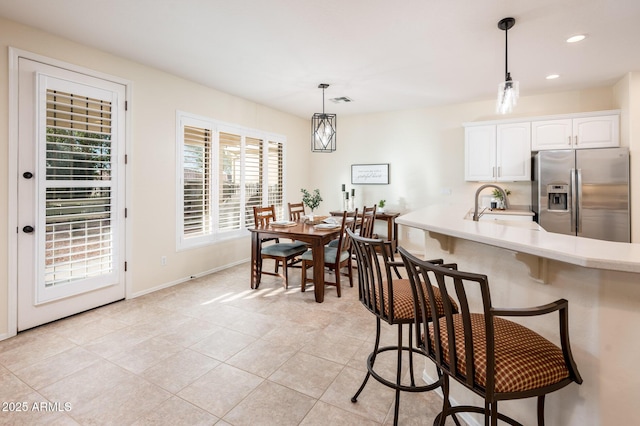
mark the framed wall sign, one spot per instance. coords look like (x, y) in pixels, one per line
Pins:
(370, 174)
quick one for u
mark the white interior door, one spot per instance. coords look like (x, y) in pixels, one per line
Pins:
(70, 193)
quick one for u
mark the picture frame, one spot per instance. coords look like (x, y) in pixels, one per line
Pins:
(370, 174)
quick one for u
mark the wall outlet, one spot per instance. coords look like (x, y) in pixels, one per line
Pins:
(163, 260)
(445, 191)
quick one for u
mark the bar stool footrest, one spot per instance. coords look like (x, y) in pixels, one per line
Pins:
(393, 385)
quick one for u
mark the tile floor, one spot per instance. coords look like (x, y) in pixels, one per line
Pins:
(210, 351)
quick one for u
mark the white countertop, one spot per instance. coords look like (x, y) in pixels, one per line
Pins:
(526, 237)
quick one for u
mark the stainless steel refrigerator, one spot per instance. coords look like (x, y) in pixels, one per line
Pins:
(583, 192)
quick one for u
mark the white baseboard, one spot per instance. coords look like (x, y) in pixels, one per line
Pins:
(4, 336)
(185, 279)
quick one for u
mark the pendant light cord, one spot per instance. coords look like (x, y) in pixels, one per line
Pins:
(506, 54)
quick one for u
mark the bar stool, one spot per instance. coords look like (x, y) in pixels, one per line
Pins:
(390, 300)
(495, 358)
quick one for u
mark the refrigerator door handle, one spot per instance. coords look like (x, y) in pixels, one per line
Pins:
(579, 203)
(574, 213)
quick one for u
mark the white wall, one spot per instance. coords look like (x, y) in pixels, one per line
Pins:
(424, 147)
(627, 94)
(151, 170)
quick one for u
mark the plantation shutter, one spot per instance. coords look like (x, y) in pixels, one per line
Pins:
(197, 182)
(275, 162)
(253, 184)
(224, 171)
(230, 180)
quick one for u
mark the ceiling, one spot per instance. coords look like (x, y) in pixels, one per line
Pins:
(383, 55)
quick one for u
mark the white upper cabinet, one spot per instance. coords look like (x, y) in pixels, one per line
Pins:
(513, 152)
(498, 152)
(551, 134)
(597, 132)
(480, 153)
(575, 133)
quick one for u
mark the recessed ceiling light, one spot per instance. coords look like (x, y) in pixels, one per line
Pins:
(576, 38)
(552, 76)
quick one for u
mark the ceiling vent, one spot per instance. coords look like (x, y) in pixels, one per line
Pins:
(341, 100)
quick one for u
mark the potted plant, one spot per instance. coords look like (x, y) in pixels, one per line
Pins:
(381, 205)
(311, 200)
(498, 196)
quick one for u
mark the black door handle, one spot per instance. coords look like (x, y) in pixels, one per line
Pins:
(28, 229)
(27, 175)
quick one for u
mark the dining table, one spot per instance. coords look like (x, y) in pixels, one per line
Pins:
(316, 236)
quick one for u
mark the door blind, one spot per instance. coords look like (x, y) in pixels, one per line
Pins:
(79, 238)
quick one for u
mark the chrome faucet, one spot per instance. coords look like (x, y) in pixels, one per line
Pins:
(488, 185)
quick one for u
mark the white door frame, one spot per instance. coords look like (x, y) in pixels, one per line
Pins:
(12, 240)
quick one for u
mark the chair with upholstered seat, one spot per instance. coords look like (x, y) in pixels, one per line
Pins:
(335, 257)
(281, 253)
(390, 299)
(495, 358)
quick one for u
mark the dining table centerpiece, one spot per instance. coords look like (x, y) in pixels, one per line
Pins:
(312, 201)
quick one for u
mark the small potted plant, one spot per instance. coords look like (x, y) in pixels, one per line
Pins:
(501, 204)
(381, 205)
(311, 200)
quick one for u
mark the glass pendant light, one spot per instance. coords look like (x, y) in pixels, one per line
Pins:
(508, 90)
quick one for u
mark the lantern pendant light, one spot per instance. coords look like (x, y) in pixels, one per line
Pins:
(508, 90)
(323, 129)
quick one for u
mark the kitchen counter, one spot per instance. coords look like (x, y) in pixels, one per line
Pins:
(526, 238)
(528, 266)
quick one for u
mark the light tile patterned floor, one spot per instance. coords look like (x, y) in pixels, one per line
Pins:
(210, 351)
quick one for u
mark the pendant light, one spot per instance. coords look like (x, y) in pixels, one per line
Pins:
(508, 90)
(323, 129)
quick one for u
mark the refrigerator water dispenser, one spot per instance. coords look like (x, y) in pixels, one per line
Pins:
(558, 197)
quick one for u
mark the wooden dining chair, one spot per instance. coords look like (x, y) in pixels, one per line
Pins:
(495, 358)
(367, 220)
(282, 253)
(336, 256)
(296, 211)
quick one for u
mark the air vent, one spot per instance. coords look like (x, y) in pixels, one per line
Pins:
(341, 100)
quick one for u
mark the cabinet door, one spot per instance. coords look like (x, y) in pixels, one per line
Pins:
(513, 152)
(596, 132)
(480, 153)
(551, 134)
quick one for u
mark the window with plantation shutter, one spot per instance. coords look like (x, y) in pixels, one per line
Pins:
(230, 163)
(253, 176)
(225, 171)
(275, 174)
(197, 181)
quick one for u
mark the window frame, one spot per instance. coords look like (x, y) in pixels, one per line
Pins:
(216, 234)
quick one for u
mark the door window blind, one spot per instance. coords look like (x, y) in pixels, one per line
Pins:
(79, 240)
